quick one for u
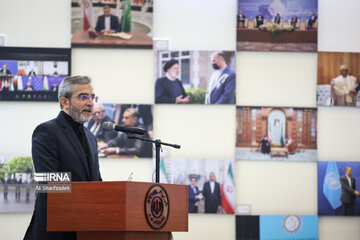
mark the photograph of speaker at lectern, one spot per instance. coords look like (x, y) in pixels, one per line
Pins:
(17, 191)
(114, 124)
(276, 134)
(211, 182)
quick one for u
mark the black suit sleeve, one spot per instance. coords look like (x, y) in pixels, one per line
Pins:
(218, 194)
(115, 25)
(161, 95)
(98, 25)
(44, 150)
(346, 188)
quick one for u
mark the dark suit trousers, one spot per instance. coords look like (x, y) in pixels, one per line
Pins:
(347, 207)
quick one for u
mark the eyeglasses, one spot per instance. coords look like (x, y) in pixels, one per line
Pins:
(86, 97)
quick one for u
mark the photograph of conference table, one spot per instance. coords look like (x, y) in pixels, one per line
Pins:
(260, 40)
(83, 39)
(296, 36)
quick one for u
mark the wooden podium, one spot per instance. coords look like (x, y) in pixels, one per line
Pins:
(115, 210)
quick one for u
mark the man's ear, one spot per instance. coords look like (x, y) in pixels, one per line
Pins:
(65, 103)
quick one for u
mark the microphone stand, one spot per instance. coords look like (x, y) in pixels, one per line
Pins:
(158, 144)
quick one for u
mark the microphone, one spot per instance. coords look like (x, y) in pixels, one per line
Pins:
(125, 129)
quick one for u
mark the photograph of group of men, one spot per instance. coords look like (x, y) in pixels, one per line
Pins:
(94, 22)
(17, 192)
(277, 25)
(118, 144)
(276, 133)
(211, 183)
(32, 75)
(338, 79)
(195, 77)
(337, 188)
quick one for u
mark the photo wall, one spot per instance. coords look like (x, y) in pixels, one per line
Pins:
(280, 73)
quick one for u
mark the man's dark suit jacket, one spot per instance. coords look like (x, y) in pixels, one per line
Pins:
(311, 22)
(103, 134)
(57, 148)
(193, 199)
(294, 21)
(114, 23)
(259, 20)
(163, 91)
(347, 193)
(224, 93)
(277, 19)
(212, 200)
(6, 72)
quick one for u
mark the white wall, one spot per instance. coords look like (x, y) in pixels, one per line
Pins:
(126, 76)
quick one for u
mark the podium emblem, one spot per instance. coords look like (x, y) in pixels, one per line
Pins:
(157, 207)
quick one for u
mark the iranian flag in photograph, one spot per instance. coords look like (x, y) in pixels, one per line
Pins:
(228, 189)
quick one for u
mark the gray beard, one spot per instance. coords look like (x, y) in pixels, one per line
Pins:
(76, 115)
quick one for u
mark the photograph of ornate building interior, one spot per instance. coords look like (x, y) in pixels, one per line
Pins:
(265, 133)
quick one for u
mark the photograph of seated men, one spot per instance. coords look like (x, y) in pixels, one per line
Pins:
(277, 25)
(121, 145)
(276, 134)
(112, 23)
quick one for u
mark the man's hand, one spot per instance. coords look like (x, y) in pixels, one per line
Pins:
(101, 145)
(180, 99)
(110, 150)
(357, 193)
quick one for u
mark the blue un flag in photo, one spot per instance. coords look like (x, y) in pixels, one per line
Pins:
(332, 186)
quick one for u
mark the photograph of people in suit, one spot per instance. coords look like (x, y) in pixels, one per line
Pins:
(6, 181)
(169, 88)
(4, 71)
(221, 89)
(108, 23)
(312, 21)
(348, 193)
(63, 144)
(96, 124)
(259, 20)
(194, 195)
(122, 145)
(241, 18)
(212, 195)
(277, 19)
(294, 20)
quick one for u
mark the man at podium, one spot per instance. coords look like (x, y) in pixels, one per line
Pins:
(63, 144)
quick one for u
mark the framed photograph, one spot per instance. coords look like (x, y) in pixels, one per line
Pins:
(195, 77)
(17, 190)
(32, 74)
(113, 144)
(338, 79)
(277, 25)
(276, 134)
(112, 23)
(338, 188)
(211, 183)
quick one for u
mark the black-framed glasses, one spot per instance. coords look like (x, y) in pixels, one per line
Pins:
(86, 97)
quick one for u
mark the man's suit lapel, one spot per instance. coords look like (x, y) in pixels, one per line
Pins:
(91, 156)
(73, 139)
